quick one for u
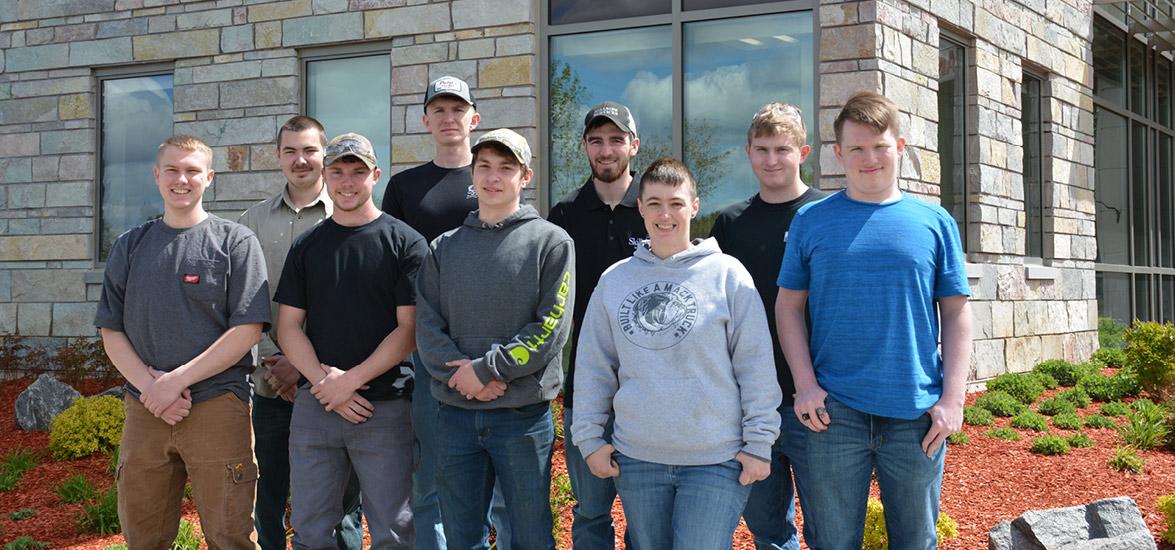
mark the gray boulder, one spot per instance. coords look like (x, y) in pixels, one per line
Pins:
(43, 400)
(1103, 524)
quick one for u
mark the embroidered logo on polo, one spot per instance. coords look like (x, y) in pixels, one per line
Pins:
(191, 279)
(657, 315)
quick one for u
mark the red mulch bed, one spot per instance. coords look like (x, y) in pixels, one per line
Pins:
(986, 481)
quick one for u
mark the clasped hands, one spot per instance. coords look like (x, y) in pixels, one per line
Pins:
(166, 397)
(466, 382)
(338, 392)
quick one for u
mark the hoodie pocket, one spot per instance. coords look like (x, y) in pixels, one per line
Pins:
(653, 409)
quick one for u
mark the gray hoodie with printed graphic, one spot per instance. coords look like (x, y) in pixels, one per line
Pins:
(678, 349)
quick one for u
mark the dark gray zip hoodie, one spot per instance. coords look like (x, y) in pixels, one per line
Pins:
(500, 295)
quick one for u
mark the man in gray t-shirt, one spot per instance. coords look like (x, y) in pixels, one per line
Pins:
(184, 300)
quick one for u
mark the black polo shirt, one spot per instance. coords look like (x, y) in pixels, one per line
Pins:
(603, 236)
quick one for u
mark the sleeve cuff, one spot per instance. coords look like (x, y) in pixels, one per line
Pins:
(758, 451)
(484, 375)
(587, 447)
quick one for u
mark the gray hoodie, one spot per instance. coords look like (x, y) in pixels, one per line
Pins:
(500, 295)
(678, 348)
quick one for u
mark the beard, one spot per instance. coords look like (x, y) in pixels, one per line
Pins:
(610, 173)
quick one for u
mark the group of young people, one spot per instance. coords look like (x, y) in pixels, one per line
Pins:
(403, 357)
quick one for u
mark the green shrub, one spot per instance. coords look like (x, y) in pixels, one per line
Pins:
(100, 516)
(89, 425)
(1000, 403)
(1029, 420)
(187, 538)
(1050, 445)
(25, 542)
(1109, 357)
(1169, 412)
(1047, 380)
(1025, 387)
(958, 438)
(1126, 460)
(1115, 409)
(75, 488)
(84, 359)
(1006, 434)
(1150, 353)
(1079, 441)
(23, 513)
(116, 547)
(1068, 421)
(1055, 406)
(1065, 373)
(876, 537)
(14, 465)
(1098, 421)
(1143, 404)
(1110, 333)
(1146, 427)
(975, 416)
(1077, 397)
(1109, 388)
(1166, 505)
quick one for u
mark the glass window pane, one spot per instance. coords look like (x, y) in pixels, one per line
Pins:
(1167, 299)
(1166, 197)
(1033, 205)
(578, 11)
(1163, 92)
(1138, 88)
(1113, 296)
(633, 67)
(707, 4)
(1140, 222)
(952, 104)
(1142, 297)
(732, 68)
(335, 86)
(1111, 192)
(1109, 61)
(136, 118)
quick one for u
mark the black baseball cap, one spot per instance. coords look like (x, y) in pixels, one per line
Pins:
(615, 112)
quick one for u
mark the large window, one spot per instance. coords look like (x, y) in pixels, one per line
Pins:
(952, 131)
(136, 117)
(1134, 197)
(1031, 126)
(692, 76)
(336, 84)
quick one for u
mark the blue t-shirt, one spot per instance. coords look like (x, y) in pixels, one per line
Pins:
(873, 273)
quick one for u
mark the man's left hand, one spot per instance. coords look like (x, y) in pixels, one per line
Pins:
(945, 419)
(336, 388)
(162, 393)
(464, 380)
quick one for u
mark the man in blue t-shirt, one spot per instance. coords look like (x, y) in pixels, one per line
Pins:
(878, 270)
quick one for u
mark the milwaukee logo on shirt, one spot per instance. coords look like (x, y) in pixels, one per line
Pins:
(191, 279)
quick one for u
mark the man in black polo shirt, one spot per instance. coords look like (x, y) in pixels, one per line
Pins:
(602, 219)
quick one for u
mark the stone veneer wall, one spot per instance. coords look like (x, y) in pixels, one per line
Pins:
(892, 47)
(237, 77)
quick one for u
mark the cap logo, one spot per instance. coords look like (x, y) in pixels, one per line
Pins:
(610, 111)
(447, 85)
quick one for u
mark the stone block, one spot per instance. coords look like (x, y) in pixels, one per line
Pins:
(851, 42)
(475, 49)
(16, 170)
(249, 186)
(279, 67)
(161, 23)
(407, 20)
(1052, 346)
(24, 226)
(330, 6)
(236, 39)
(42, 401)
(510, 112)
(47, 285)
(75, 33)
(1002, 319)
(506, 71)
(1021, 354)
(34, 319)
(263, 157)
(420, 54)
(981, 322)
(44, 168)
(76, 167)
(322, 29)
(280, 10)
(5, 287)
(411, 79)
(74, 319)
(32, 58)
(74, 106)
(100, 52)
(196, 97)
(121, 27)
(176, 45)
(267, 35)
(987, 359)
(477, 13)
(33, 109)
(40, 9)
(8, 318)
(26, 196)
(20, 145)
(70, 193)
(262, 91)
(226, 71)
(835, 89)
(465, 70)
(413, 148)
(515, 45)
(67, 141)
(233, 131)
(376, 4)
(44, 247)
(207, 19)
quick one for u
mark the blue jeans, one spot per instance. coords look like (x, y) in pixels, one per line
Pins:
(271, 433)
(592, 526)
(509, 446)
(771, 509)
(430, 531)
(836, 475)
(681, 507)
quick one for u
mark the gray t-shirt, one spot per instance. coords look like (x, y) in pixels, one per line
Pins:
(175, 291)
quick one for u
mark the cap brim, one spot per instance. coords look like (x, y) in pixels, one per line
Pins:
(513, 153)
(449, 94)
(331, 160)
(619, 124)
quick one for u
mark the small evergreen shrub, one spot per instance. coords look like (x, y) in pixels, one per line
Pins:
(877, 538)
(187, 538)
(1079, 441)
(1050, 445)
(1029, 420)
(1166, 505)
(1150, 353)
(1115, 409)
(25, 542)
(1109, 357)
(1024, 387)
(1098, 421)
(975, 416)
(1046, 380)
(1126, 460)
(1077, 397)
(23, 513)
(14, 465)
(89, 425)
(100, 516)
(1110, 333)
(958, 438)
(1109, 388)
(1000, 403)
(1065, 373)
(1055, 406)
(75, 488)
(1006, 434)
(1143, 404)
(1146, 427)
(1068, 421)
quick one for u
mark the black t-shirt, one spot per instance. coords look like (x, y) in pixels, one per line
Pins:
(603, 236)
(755, 232)
(431, 199)
(350, 281)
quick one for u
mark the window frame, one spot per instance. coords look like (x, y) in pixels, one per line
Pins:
(1044, 211)
(969, 104)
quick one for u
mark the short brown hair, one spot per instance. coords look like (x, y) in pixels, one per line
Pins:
(299, 123)
(184, 142)
(778, 119)
(669, 171)
(871, 109)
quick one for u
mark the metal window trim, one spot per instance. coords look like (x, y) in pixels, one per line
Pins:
(1044, 212)
(970, 103)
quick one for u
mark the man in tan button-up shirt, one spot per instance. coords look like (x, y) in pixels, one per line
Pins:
(277, 222)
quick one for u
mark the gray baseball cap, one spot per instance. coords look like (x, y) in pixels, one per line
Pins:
(448, 86)
(615, 112)
(509, 139)
(350, 145)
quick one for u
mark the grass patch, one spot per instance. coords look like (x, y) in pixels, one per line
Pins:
(75, 488)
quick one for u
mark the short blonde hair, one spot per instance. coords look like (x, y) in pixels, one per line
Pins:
(184, 142)
(870, 109)
(778, 119)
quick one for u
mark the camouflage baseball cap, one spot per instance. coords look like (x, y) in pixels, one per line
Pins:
(350, 145)
(509, 139)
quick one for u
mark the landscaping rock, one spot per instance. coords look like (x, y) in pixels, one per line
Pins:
(43, 400)
(1102, 524)
(116, 391)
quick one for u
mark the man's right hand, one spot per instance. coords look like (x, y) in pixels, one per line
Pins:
(492, 391)
(180, 408)
(355, 410)
(601, 463)
(809, 408)
(281, 375)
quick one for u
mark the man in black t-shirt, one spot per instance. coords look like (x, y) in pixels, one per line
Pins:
(347, 322)
(755, 232)
(602, 219)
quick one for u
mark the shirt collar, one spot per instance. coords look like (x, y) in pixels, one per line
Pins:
(590, 199)
(322, 197)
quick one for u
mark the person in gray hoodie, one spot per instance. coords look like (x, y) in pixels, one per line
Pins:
(675, 345)
(493, 312)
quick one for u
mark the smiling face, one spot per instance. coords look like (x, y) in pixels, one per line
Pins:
(871, 161)
(498, 179)
(609, 150)
(667, 210)
(350, 183)
(776, 160)
(182, 176)
(450, 120)
(300, 156)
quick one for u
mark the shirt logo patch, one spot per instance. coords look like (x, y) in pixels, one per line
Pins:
(191, 279)
(447, 85)
(658, 315)
(470, 193)
(634, 242)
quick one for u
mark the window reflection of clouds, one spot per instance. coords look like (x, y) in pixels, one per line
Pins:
(351, 95)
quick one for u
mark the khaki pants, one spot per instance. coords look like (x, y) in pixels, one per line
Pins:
(213, 447)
